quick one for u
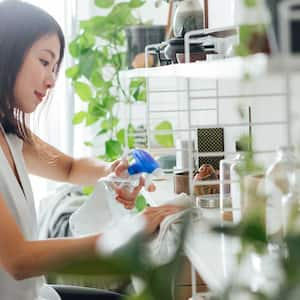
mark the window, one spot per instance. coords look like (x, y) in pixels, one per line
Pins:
(52, 122)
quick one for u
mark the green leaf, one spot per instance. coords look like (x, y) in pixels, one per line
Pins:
(117, 60)
(83, 90)
(131, 139)
(101, 26)
(87, 24)
(96, 109)
(121, 15)
(102, 131)
(250, 3)
(104, 3)
(110, 123)
(79, 117)
(113, 149)
(87, 190)
(90, 120)
(97, 79)
(89, 144)
(88, 63)
(165, 140)
(136, 3)
(121, 136)
(137, 89)
(72, 72)
(140, 203)
(87, 41)
(74, 48)
(108, 102)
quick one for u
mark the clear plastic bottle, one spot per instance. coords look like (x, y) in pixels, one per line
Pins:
(277, 186)
(230, 191)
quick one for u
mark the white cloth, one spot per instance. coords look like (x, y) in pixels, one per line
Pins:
(99, 212)
(21, 204)
(164, 245)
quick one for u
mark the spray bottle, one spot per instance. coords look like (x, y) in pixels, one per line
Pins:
(102, 210)
(143, 164)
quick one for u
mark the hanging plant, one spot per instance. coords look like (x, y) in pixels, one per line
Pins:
(99, 51)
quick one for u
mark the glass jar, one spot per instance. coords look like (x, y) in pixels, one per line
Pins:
(277, 186)
(230, 190)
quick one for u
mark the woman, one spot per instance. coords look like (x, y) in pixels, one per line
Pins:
(31, 51)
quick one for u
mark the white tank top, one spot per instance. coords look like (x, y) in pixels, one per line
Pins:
(21, 204)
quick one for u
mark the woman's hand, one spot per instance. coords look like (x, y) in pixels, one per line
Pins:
(124, 196)
(155, 215)
(118, 167)
(127, 197)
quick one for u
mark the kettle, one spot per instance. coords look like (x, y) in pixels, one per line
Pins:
(188, 16)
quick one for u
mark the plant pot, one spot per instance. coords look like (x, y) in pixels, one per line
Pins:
(138, 37)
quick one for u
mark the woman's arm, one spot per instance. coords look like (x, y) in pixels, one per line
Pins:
(46, 161)
(24, 259)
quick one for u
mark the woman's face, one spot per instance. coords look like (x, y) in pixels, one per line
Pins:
(37, 74)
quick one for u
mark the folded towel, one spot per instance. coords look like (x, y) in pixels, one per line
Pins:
(182, 200)
(164, 245)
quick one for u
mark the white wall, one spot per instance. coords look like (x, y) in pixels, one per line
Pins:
(158, 15)
(221, 13)
(147, 11)
(265, 96)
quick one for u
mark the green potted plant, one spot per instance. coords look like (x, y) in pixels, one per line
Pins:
(253, 20)
(99, 51)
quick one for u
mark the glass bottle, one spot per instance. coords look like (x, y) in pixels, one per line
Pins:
(230, 191)
(290, 204)
(277, 186)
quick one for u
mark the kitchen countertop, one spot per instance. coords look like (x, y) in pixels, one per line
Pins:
(213, 255)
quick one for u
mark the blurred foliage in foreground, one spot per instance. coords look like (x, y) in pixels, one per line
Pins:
(132, 260)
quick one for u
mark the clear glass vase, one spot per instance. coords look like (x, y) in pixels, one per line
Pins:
(290, 205)
(277, 186)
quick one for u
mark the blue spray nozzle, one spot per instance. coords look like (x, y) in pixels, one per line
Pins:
(144, 162)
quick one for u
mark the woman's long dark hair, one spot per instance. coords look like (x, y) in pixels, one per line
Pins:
(21, 25)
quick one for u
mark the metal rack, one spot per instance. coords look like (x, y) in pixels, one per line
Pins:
(258, 67)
